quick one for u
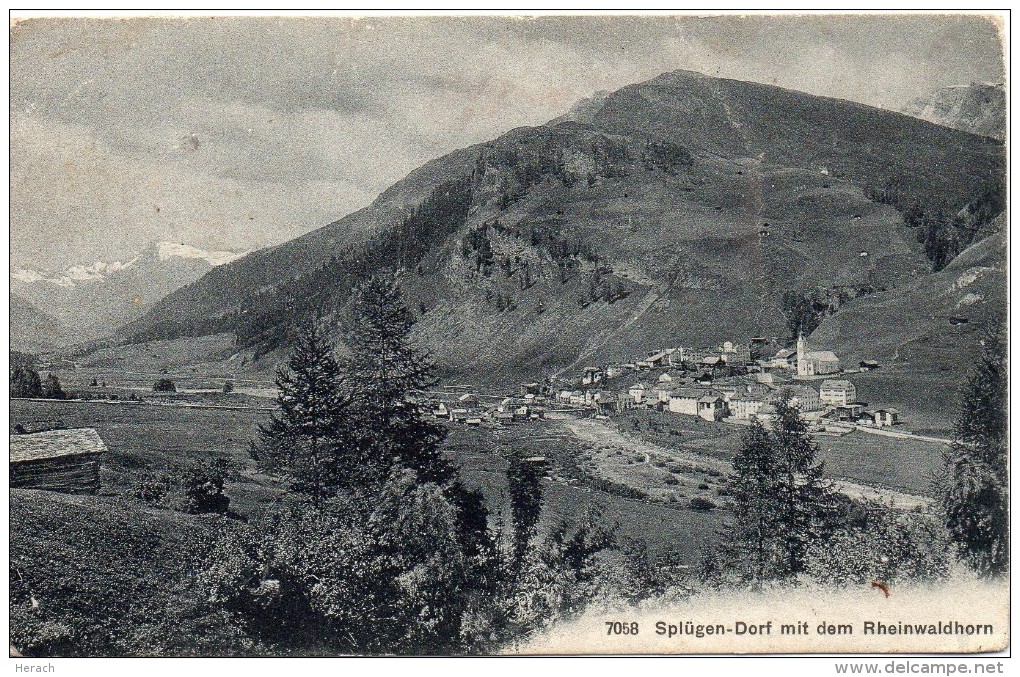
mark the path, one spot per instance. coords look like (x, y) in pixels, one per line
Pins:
(597, 432)
(901, 434)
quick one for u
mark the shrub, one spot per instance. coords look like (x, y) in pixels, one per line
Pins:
(672, 481)
(203, 487)
(885, 545)
(703, 486)
(153, 488)
(164, 385)
(702, 504)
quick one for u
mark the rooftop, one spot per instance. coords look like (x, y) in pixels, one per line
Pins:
(837, 383)
(56, 443)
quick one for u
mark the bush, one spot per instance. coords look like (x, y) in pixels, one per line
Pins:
(164, 385)
(672, 481)
(884, 545)
(153, 489)
(203, 487)
(702, 504)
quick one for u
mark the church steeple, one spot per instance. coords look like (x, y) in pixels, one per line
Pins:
(802, 365)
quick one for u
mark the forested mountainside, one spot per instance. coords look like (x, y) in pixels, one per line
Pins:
(682, 210)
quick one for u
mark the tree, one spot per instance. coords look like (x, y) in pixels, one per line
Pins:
(363, 574)
(228, 387)
(385, 378)
(25, 382)
(976, 483)
(781, 504)
(752, 542)
(307, 442)
(51, 389)
(164, 385)
(524, 477)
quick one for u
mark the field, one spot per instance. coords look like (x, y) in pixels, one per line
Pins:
(906, 465)
(75, 554)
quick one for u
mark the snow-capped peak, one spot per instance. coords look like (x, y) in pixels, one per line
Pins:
(100, 270)
(70, 277)
(168, 250)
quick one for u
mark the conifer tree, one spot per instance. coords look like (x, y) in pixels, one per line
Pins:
(976, 488)
(51, 388)
(524, 478)
(781, 504)
(386, 376)
(751, 543)
(308, 441)
(806, 499)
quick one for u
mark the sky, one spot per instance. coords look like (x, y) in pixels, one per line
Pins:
(233, 133)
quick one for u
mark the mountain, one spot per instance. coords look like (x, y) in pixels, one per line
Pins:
(34, 331)
(976, 108)
(98, 298)
(675, 211)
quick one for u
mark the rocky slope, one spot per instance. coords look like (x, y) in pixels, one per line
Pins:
(678, 212)
(976, 108)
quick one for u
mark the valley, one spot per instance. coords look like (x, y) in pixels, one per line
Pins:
(628, 311)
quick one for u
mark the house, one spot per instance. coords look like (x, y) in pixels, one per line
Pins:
(564, 395)
(637, 391)
(503, 417)
(712, 361)
(468, 401)
(578, 398)
(805, 399)
(440, 411)
(745, 407)
(57, 460)
(655, 360)
(531, 389)
(704, 402)
(734, 355)
(848, 412)
(606, 402)
(711, 407)
(460, 415)
(784, 359)
(660, 395)
(837, 392)
(614, 370)
(885, 417)
(811, 363)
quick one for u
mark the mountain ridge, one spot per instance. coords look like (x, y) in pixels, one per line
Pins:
(682, 212)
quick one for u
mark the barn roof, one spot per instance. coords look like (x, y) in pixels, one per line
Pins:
(56, 443)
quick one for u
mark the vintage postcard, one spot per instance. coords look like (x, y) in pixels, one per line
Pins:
(508, 335)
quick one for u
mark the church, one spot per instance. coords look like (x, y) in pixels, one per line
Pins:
(816, 362)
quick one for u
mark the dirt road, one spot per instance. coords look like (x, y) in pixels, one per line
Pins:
(599, 433)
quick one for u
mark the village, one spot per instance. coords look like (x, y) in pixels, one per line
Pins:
(728, 383)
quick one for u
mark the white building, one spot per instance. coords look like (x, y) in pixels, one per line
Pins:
(811, 363)
(838, 392)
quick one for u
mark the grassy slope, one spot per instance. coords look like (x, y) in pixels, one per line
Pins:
(907, 330)
(109, 565)
(101, 565)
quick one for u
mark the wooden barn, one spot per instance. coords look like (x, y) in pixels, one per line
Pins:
(57, 460)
